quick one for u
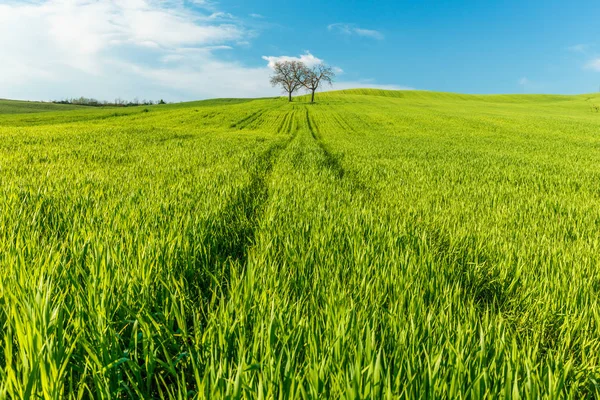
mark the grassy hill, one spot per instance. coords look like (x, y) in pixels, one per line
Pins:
(25, 107)
(375, 244)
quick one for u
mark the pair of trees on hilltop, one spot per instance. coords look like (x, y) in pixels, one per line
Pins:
(295, 75)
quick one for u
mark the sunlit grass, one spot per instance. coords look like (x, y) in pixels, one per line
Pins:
(375, 244)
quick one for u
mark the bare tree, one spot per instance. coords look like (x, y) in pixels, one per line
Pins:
(287, 75)
(312, 78)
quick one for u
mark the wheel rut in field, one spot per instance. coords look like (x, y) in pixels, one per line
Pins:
(255, 119)
(238, 221)
(246, 121)
(287, 125)
(331, 161)
(232, 229)
(245, 208)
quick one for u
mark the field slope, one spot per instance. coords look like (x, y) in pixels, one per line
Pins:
(375, 244)
(25, 107)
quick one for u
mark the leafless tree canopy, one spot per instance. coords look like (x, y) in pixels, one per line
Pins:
(293, 75)
(287, 75)
(313, 78)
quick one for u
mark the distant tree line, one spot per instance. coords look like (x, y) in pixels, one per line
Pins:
(118, 102)
(292, 76)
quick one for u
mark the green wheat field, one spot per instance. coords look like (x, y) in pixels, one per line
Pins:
(377, 244)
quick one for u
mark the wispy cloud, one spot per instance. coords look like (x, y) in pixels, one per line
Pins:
(351, 29)
(342, 85)
(579, 48)
(528, 85)
(127, 48)
(257, 16)
(52, 49)
(307, 58)
(587, 51)
(220, 16)
(594, 64)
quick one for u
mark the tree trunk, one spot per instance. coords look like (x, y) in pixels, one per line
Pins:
(312, 98)
(290, 96)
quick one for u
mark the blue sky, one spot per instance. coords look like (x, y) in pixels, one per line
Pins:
(193, 49)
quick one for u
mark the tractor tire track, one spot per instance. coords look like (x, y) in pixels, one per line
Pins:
(287, 125)
(244, 122)
(232, 230)
(333, 162)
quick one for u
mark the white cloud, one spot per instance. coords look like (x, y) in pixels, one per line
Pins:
(594, 65)
(171, 58)
(351, 29)
(342, 85)
(579, 48)
(65, 48)
(220, 16)
(524, 81)
(53, 49)
(308, 59)
(212, 78)
(369, 33)
(587, 51)
(257, 16)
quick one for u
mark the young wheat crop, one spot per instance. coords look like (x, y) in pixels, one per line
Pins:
(373, 245)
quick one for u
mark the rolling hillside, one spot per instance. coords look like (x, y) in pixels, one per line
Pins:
(375, 244)
(25, 107)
